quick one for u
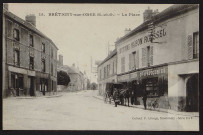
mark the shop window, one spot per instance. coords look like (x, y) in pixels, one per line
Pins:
(43, 47)
(31, 62)
(16, 58)
(195, 45)
(151, 86)
(123, 64)
(43, 65)
(31, 41)
(16, 34)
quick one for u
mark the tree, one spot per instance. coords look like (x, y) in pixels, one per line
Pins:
(63, 78)
(93, 86)
(88, 84)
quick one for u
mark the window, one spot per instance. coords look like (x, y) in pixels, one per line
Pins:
(16, 58)
(31, 62)
(134, 60)
(148, 56)
(100, 74)
(151, 86)
(113, 68)
(52, 53)
(123, 64)
(43, 65)
(104, 72)
(43, 47)
(108, 70)
(31, 40)
(52, 70)
(195, 45)
(16, 34)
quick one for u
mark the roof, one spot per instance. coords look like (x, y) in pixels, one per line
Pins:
(113, 53)
(27, 24)
(170, 12)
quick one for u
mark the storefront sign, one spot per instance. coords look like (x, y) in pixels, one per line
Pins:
(134, 76)
(123, 78)
(145, 39)
(151, 72)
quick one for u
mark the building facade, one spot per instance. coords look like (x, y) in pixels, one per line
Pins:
(163, 60)
(29, 58)
(107, 71)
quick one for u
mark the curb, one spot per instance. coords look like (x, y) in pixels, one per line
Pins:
(161, 110)
(38, 97)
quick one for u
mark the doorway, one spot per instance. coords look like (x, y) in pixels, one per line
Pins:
(192, 94)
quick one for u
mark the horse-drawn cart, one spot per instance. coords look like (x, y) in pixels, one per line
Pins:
(110, 87)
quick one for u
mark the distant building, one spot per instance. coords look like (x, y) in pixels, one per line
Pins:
(107, 71)
(78, 80)
(29, 57)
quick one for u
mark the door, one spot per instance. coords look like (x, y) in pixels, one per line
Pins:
(31, 86)
(192, 90)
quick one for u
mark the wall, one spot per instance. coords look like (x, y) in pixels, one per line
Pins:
(178, 75)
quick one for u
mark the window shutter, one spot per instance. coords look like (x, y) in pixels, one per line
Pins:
(190, 47)
(9, 28)
(144, 57)
(137, 59)
(151, 55)
(10, 52)
(130, 61)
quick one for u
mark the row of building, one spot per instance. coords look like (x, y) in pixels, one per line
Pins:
(160, 56)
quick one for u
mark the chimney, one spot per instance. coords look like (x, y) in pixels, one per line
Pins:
(73, 65)
(5, 6)
(126, 31)
(147, 14)
(31, 19)
(61, 60)
(155, 12)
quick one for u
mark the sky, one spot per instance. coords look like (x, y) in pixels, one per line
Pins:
(81, 37)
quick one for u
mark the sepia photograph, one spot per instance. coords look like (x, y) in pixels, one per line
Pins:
(100, 67)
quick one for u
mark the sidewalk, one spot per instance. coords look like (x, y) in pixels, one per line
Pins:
(191, 114)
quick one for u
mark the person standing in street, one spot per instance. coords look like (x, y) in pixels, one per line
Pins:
(144, 98)
(116, 97)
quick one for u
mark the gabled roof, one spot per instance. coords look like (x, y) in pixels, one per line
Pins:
(113, 53)
(27, 25)
(170, 12)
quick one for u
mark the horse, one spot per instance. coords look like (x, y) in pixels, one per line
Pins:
(125, 94)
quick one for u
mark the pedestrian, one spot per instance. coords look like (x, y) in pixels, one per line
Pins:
(144, 98)
(116, 96)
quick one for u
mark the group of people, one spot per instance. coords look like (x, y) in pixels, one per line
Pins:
(116, 97)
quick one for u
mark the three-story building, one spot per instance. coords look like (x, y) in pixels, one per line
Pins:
(29, 57)
(161, 56)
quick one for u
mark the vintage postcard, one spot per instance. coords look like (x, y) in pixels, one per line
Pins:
(106, 67)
